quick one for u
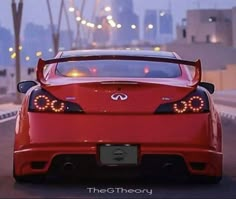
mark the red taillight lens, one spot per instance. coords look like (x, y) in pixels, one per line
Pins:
(57, 106)
(180, 107)
(196, 102)
(42, 101)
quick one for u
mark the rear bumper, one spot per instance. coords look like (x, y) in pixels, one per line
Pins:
(193, 138)
(46, 159)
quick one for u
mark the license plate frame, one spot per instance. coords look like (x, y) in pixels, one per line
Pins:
(118, 155)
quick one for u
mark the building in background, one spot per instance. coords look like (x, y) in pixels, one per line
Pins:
(150, 26)
(6, 46)
(127, 26)
(37, 42)
(101, 35)
(209, 26)
(165, 33)
(209, 35)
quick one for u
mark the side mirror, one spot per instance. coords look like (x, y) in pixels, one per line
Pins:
(24, 86)
(209, 86)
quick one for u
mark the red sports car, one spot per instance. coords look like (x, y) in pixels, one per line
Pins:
(118, 113)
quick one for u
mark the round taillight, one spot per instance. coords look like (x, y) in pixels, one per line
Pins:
(41, 102)
(57, 106)
(196, 103)
(180, 107)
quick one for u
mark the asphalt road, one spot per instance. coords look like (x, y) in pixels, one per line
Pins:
(121, 189)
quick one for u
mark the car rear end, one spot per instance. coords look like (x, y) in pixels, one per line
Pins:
(118, 127)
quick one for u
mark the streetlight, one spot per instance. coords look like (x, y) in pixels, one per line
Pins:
(83, 22)
(118, 26)
(38, 53)
(17, 17)
(150, 26)
(107, 8)
(109, 17)
(71, 9)
(13, 55)
(99, 26)
(78, 18)
(27, 58)
(133, 26)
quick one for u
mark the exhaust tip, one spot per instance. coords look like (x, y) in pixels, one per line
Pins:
(68, 166)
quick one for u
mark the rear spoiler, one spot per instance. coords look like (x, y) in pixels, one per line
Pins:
(194, 82)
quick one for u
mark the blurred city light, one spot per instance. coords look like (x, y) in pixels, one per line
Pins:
(118, 25)
(133, 26)
(10, 49)
(214, 39)
(13, 56)
(39, 53)
(150, 26)
(99, 26)
(78, 18)
(109, 17)
(107, 8)
(162, 13)
(157, 48)
(27, 58)
(91, 25)
(83, 22)
(71, 9)
(20, 47)
(112, 23)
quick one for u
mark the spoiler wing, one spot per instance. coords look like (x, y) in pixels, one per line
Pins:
(193, 83)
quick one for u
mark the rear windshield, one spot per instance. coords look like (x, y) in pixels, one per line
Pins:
(118, 68)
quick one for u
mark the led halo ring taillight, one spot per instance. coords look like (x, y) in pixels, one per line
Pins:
(41, 102)
(57, 106)
(194, 104)
(181, 107)
(44, 102)
(199, 103)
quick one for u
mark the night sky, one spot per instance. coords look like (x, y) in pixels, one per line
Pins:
(36, 10)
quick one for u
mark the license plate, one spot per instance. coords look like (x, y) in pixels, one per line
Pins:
(118, 154)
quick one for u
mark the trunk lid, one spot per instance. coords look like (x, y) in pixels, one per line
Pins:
(113, 96)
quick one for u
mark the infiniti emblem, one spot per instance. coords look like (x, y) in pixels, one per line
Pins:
(119, 154)
(119, 96)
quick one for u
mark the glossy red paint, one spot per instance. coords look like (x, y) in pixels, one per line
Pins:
(196, 137)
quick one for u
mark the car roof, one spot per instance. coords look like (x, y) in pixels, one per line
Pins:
(96, 52)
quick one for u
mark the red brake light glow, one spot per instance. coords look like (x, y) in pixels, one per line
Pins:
(93, 70)
(57, 106)
(146, 70)
(41, 102)
(194, 104)
(181, 107)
